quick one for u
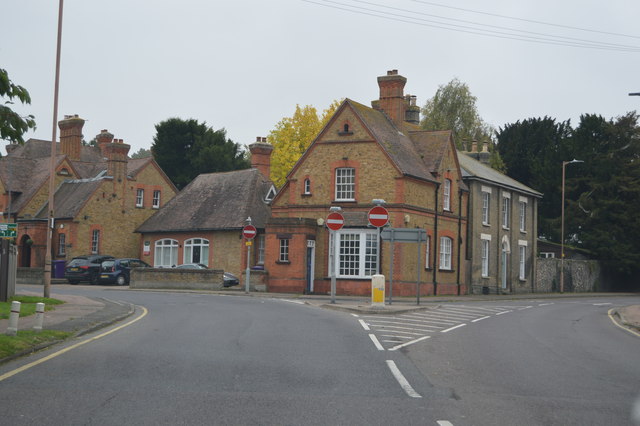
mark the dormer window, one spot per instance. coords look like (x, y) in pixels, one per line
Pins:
(64, 172)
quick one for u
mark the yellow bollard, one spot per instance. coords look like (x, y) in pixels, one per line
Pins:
(377, 291)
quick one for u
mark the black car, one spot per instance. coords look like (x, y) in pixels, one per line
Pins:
(228, 278)
(119, 270)
(85, 268)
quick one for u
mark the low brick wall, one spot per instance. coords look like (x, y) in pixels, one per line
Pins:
(580, 276)
(183, 279)
(257, 280)
(33, 276)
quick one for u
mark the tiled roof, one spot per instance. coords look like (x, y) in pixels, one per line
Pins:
(473, 169)
(70, 197)
(214, 201)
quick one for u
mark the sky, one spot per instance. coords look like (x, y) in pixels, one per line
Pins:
(127, 65)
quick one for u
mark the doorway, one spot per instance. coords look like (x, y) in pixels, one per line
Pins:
(311, 260)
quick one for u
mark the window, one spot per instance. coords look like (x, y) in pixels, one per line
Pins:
(506, 211)
(95, 241)
(523, 254)
(156, 199)
(523, 216)
(166, 254)
(446, 200)
(284, 250)
(260, 249)
(345, 184)
(140, 197)
(196, 250)
(307, 186)
(485, 258)
(357, 253)
(486, 204)
(427, 256)
(61, 244)
(445, 253)
(547, 255)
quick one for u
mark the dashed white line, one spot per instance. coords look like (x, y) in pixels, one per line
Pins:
(375, 341)
(503, 312)
(364, 325)
(444, 423)
(601, 304)
(452, 328)
(409, 343)
(525, 307)
(404, 384)
(479, 319)
(545, 304)
(293, 301)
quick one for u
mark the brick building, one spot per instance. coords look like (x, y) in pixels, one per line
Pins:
(203, 223)
(366, 153)
(101, 195)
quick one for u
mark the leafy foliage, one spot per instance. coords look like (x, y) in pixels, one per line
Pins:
(453, 107)
(142, 153)
(185, 148)
(12, 125)
(293, 135)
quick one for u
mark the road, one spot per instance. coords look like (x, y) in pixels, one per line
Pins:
(212, 359)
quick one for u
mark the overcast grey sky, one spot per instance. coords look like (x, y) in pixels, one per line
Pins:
(244, 65)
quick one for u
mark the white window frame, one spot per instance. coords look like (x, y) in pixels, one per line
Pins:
(345, 184)
(140, 197)
(486, 207)
(190, 244)
(522, 250)
(506, 210)
(356, 253)
(446, 198)
(547, 255)
(260, 247)
(307, 186)
(95, 241)
(156, 199)
(284, 250)
(427, 256)
(485, 239)
(446, 249)
(523, 215)
(165, 253)
(62, 250)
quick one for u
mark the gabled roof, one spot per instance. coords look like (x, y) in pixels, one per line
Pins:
(70, 197)
(473, 169)
(214, 201)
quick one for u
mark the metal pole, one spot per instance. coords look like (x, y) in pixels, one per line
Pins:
(248, 270)
(418, 282)
(392, 245)
(564, 163)
(50, 216)
(332, 264)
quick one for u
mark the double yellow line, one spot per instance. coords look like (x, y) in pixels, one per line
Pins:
(67, 349)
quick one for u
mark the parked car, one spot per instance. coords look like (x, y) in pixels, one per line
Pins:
(229, 280)
(85, 268)
(119, 270)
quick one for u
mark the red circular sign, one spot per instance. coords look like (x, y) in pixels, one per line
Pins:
(378, 216)
(335, 221)
(249, 232)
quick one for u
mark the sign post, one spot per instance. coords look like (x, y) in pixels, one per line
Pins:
(378, 216)
(335, 222)
(404, 235)
(8, 230)
(248, 232)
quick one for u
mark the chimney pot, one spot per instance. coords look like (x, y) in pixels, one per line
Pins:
(485, 147)
(258, 139)
(474, 146)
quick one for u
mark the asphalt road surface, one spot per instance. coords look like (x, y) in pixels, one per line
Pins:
(192, 359)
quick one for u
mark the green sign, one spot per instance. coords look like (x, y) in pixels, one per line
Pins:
(8, 230)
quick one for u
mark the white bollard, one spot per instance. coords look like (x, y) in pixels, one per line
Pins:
(377, 291)
(12, 329)
(39, 317)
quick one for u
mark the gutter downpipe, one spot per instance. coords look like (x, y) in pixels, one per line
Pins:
(459, 237)
(435, 242)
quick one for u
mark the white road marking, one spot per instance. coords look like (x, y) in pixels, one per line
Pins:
(601, 304)
(452, 328)
(364, 325)
(356, 315)
(293, 301)
(503, 312)
(409, 343)
(404, 384)
(525, 307)
(384, 323)
(393, 330)
(444, 423)
(479, 319)
(545, 304)
(375, 341)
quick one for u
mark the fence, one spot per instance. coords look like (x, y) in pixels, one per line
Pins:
(8, 267)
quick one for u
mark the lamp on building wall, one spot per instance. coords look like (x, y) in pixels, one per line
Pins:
(564, 164)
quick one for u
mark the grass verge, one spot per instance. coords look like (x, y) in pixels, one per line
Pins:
(28, 305)
(28, 339)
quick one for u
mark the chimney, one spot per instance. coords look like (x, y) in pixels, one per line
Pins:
(474, 146)
(392, 100)
(412, 111)
(116, 153)
(104, 138)
(261, 156)
(71, 136)
(485, 146)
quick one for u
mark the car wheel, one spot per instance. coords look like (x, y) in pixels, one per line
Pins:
(93, 279)
(121, 280)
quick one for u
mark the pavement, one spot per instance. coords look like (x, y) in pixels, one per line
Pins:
(81, 315)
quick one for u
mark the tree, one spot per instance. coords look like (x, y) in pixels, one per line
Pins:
(12, 125)
(293, 135)
(453, 107)
(185, 148)
(142, 153)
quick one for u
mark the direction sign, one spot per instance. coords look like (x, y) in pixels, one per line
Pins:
(8, 230)
(378, 216)
(404, 235)
(249, 232)
(335, 221)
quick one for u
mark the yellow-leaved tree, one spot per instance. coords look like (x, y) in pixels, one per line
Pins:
(293, 135)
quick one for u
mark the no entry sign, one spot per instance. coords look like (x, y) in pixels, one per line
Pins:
(249, 232)
(378, 216)
(335, 221)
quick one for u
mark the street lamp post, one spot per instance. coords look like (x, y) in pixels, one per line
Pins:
(564, 164)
